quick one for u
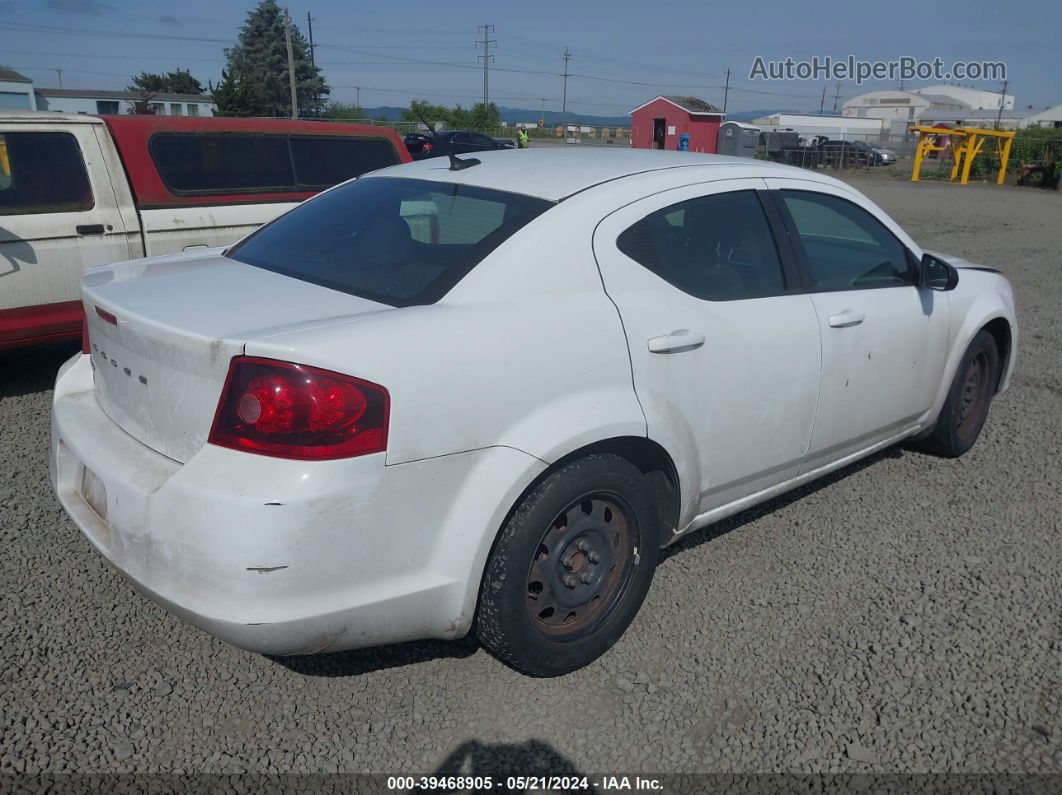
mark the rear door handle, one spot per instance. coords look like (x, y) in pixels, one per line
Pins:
(89, 229)
(678, 341)
(846, 319)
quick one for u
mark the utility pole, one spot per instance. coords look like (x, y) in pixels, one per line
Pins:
(357, 102)
(1002, 99)
(564, 95)
(542, 115)
(309, 28)
(836, 97)
(486, 56)
(726, 90)
(291, 66)
(60, 73)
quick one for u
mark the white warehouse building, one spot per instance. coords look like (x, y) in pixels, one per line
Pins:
(973, 98)
(113, 103)
(16, 91)
(806, 124)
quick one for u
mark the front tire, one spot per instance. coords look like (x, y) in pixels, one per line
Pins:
(571, 567)
(966, 407)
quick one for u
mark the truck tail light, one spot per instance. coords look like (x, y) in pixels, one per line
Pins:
(289, 410)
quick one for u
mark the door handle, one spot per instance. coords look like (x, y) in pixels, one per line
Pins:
(846, 319)
(89, 229)
(678, 341)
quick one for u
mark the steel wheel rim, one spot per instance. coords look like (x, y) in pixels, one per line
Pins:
(973, 395)
(582, 566)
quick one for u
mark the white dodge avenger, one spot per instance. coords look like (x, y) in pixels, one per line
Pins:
(482, 395)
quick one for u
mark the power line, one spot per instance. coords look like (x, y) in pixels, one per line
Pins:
(291, 66)
(564, 100)
(486, 56)
(1002, 99)
(309, 29)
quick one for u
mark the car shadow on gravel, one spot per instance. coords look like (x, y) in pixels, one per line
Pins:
(737, 521)
(499, 761)
(24, 371)
(362, 661)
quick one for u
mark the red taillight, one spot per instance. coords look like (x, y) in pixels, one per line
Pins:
(426, 148)
(294, 411)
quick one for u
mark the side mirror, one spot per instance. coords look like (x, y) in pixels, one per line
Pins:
(936, 274)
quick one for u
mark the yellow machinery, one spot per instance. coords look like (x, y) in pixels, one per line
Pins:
(965, 143)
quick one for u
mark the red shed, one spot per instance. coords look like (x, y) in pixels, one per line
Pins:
(658, 123)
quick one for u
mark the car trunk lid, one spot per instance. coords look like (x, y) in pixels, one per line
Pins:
(163, 331)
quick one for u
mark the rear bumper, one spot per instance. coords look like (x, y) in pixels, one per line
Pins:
(284, 557)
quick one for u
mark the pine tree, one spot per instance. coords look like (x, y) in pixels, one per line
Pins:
(179, 81)
(255, 81)
(232, 97)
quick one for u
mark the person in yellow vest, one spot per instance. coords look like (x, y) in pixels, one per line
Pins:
(523, 140)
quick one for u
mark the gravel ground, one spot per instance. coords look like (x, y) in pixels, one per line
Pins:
(904, 615)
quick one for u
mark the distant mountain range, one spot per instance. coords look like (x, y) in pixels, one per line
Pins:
(552, 117)
(518, 115)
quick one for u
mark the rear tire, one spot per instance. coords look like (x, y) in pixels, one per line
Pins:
(966, 407)
(571, 567)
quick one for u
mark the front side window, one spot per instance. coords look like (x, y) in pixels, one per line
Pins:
(716, 247)
(846, 247)
(42, 172)
(397, 241)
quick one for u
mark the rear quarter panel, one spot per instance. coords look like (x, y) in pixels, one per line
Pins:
(526, 352)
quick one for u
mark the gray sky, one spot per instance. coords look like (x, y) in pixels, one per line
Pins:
(673, 47)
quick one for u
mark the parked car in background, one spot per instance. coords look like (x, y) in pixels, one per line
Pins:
(460, 142)
(432, 399)
(857, 153)
(78, 191)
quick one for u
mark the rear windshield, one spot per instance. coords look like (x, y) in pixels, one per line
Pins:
(397, 241)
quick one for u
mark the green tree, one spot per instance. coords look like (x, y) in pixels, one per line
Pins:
(484, 117)
(179, 81)
(420, 110)
(233, 95)
(478, 117)
(255, 81)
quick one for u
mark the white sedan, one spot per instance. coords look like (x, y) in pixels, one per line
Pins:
(483, 395)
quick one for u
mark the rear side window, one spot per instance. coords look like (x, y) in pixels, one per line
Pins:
(223, 163)
(716, 247)
(397, 241)
(323, 162)
(192, 164)
(42, 172)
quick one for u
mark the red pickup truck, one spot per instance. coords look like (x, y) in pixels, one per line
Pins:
(78, 191)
